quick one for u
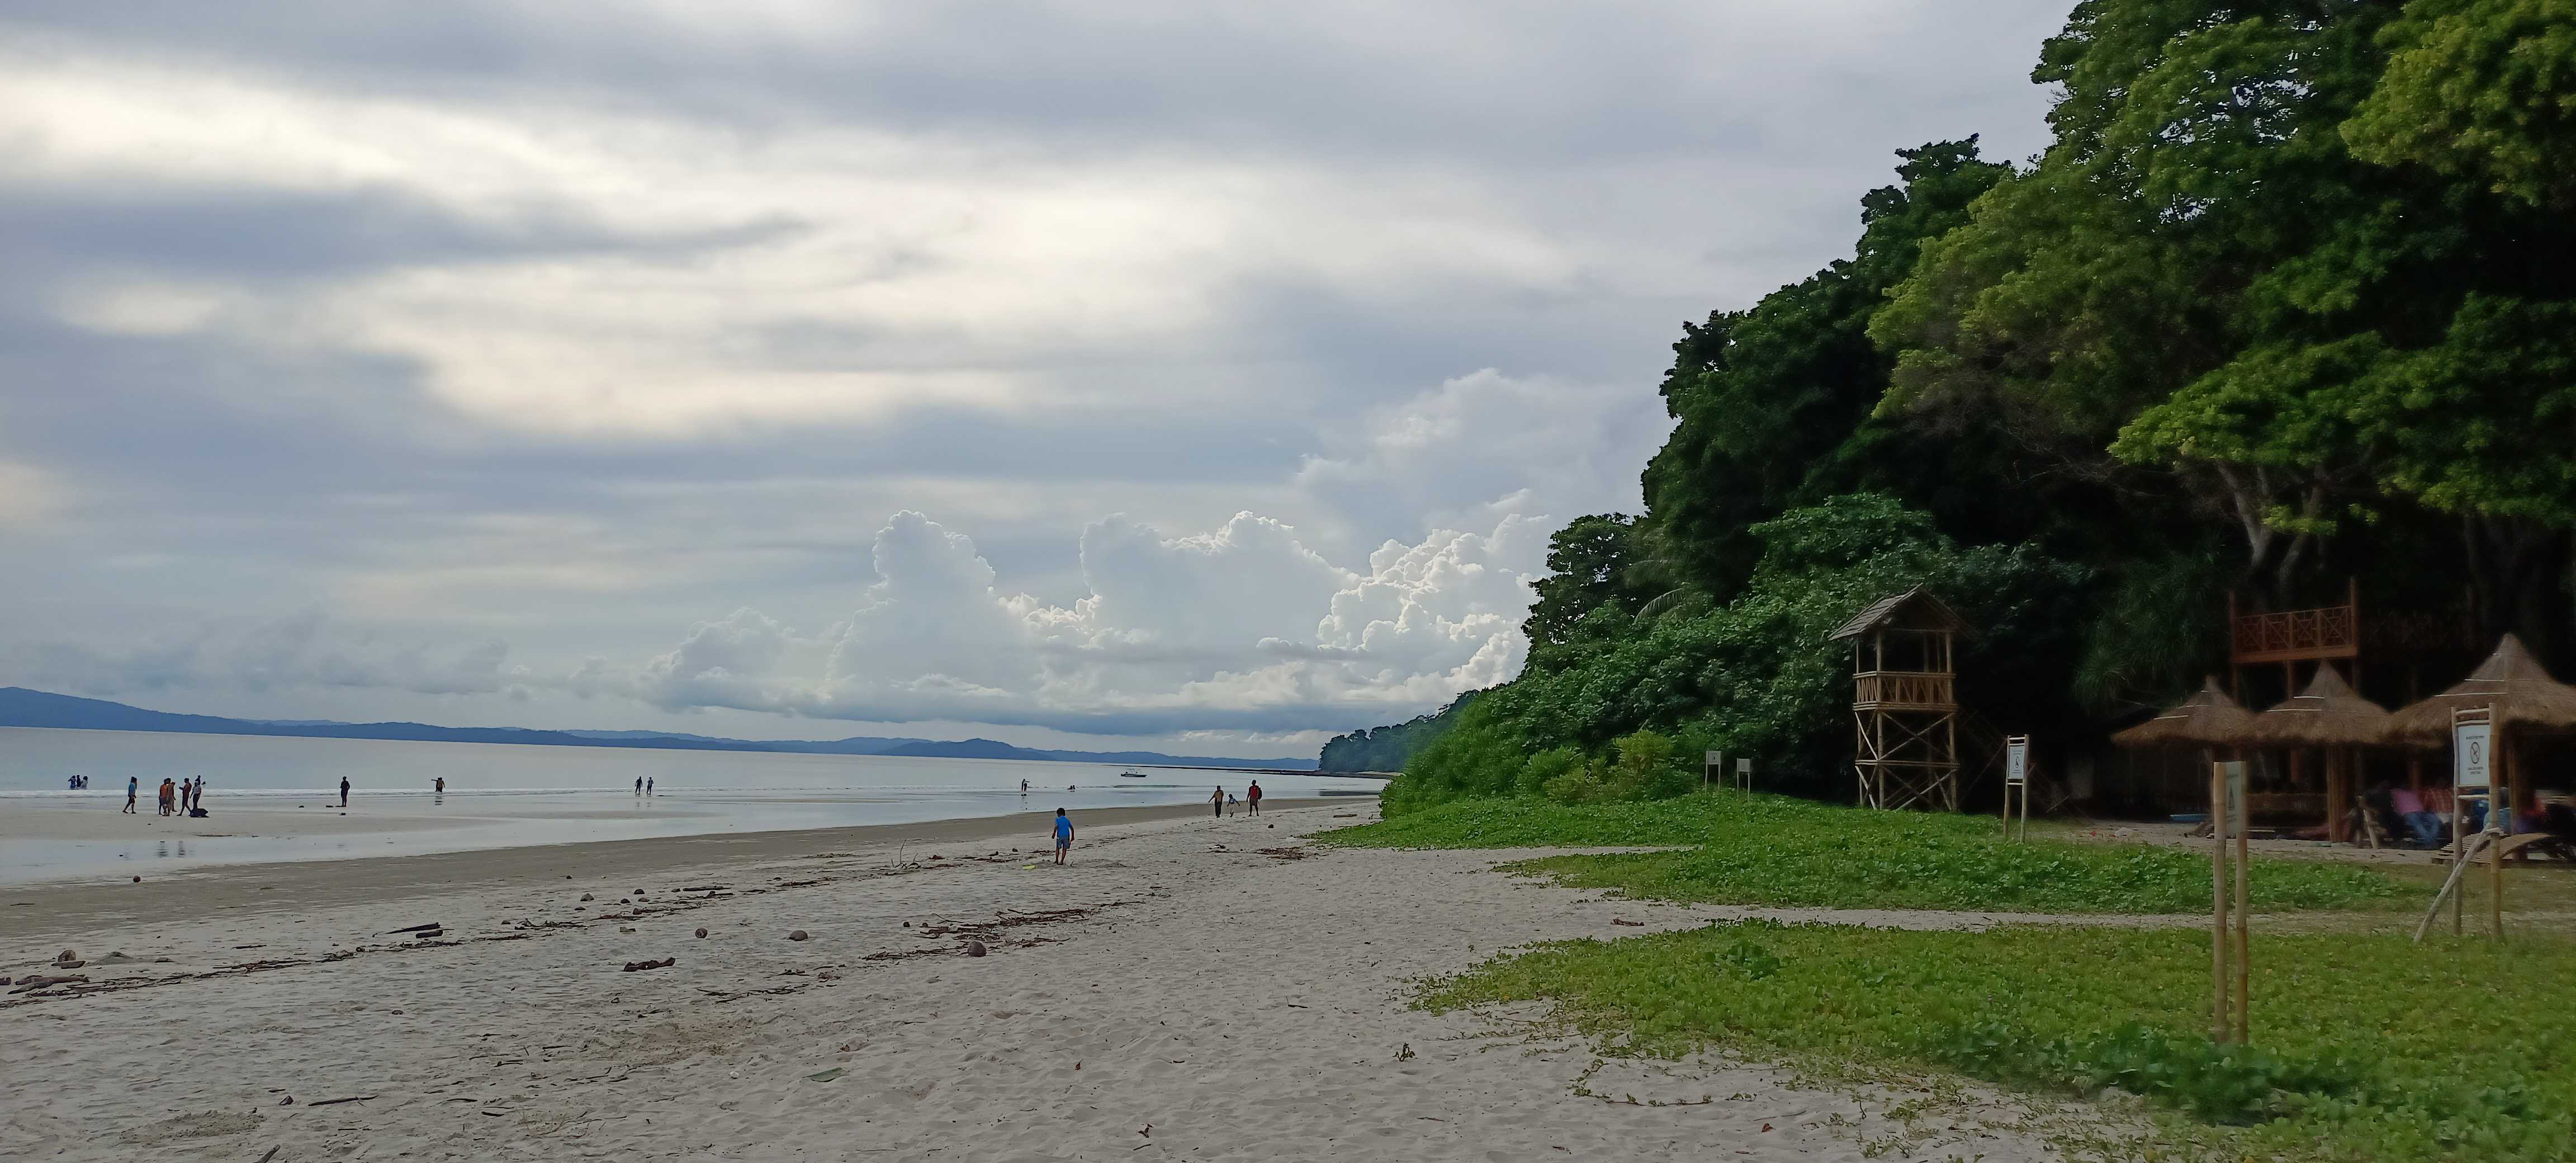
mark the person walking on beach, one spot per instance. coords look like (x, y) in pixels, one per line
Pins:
(639, 785)
(132, 786)
(344, 791)
(1252, 798)
(1217, 802)
(1063, 835)
(438, 786)
(169, 794)
(648, 785)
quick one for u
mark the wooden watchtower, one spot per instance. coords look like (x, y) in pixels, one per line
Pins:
(1905, 701)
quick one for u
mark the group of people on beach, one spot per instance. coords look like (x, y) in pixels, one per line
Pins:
(1225, 804)
(1219, 800)
(184, 797)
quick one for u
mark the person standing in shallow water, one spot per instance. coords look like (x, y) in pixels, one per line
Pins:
(344, 791)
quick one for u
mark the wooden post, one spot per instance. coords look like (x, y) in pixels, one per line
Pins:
(2459, 851)
(2244, 946)
(2495, 886)
(2499, 820)
(2219, 1009)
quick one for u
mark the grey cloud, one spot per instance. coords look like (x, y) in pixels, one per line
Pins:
(1283, 648)
(285, 654)
(271, 234)
(1571, 82)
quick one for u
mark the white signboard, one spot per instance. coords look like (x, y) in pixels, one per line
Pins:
(1744, 767)
(2231, 817)
(2017, 759)
(1716, 758)
(2472, 755)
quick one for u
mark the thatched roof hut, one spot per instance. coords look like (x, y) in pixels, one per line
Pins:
(2207, 719)
(1915, 609)
(2511, 681)
(2327, 714)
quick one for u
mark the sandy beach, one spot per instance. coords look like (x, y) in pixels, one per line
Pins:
(1186, 987)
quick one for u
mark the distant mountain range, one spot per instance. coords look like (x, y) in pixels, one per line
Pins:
(20, 707)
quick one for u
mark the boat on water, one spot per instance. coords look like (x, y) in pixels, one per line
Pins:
(1131, 775)
(1335, 791)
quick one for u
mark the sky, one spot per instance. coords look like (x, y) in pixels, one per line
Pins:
(1203, 378)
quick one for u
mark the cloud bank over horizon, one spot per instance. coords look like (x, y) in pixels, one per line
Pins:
(1205, 375)
(1243, 628)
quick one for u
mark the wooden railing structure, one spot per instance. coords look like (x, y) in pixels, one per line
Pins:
(2296, 635)
(1904, 690)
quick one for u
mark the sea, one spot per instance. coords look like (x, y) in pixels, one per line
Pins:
(508, 795)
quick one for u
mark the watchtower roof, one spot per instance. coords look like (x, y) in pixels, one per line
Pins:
(1911, 610)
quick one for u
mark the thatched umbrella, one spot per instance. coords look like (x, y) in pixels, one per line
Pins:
(2209, 719)
(2332, 716)
(2327, 714)
(2511, 681)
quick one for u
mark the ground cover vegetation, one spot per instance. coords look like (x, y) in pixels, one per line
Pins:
(2369, 1047)
(1757, 849)
(2290, 297)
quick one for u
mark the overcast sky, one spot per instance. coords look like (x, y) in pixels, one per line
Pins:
(1202, 377)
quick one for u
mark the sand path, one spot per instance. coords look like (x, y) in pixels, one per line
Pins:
(1175, 979)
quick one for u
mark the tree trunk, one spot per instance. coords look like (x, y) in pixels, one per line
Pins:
(2517, 571)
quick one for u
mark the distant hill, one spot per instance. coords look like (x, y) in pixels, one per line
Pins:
(20, 707)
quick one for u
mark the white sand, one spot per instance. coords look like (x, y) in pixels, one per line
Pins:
(1234, 1004)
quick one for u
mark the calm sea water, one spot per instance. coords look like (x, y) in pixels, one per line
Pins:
(510, 795)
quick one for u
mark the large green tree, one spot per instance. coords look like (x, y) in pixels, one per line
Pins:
(1766, 396)
(2203, 276)
(2481, 88)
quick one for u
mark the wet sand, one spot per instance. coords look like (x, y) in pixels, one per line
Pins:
(44, 909)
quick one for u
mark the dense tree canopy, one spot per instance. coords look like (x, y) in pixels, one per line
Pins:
(2290, 297)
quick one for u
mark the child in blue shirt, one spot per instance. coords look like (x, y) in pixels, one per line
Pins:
(1063, 835)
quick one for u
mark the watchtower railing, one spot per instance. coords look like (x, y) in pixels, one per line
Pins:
(1889, 689)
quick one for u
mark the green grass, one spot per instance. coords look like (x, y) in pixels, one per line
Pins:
(2365, 1047)
(1779, 851)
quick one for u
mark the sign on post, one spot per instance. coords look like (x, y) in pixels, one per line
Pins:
(2235, 772)
(2471, 745)
(2017, 782)
(1744, 774)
